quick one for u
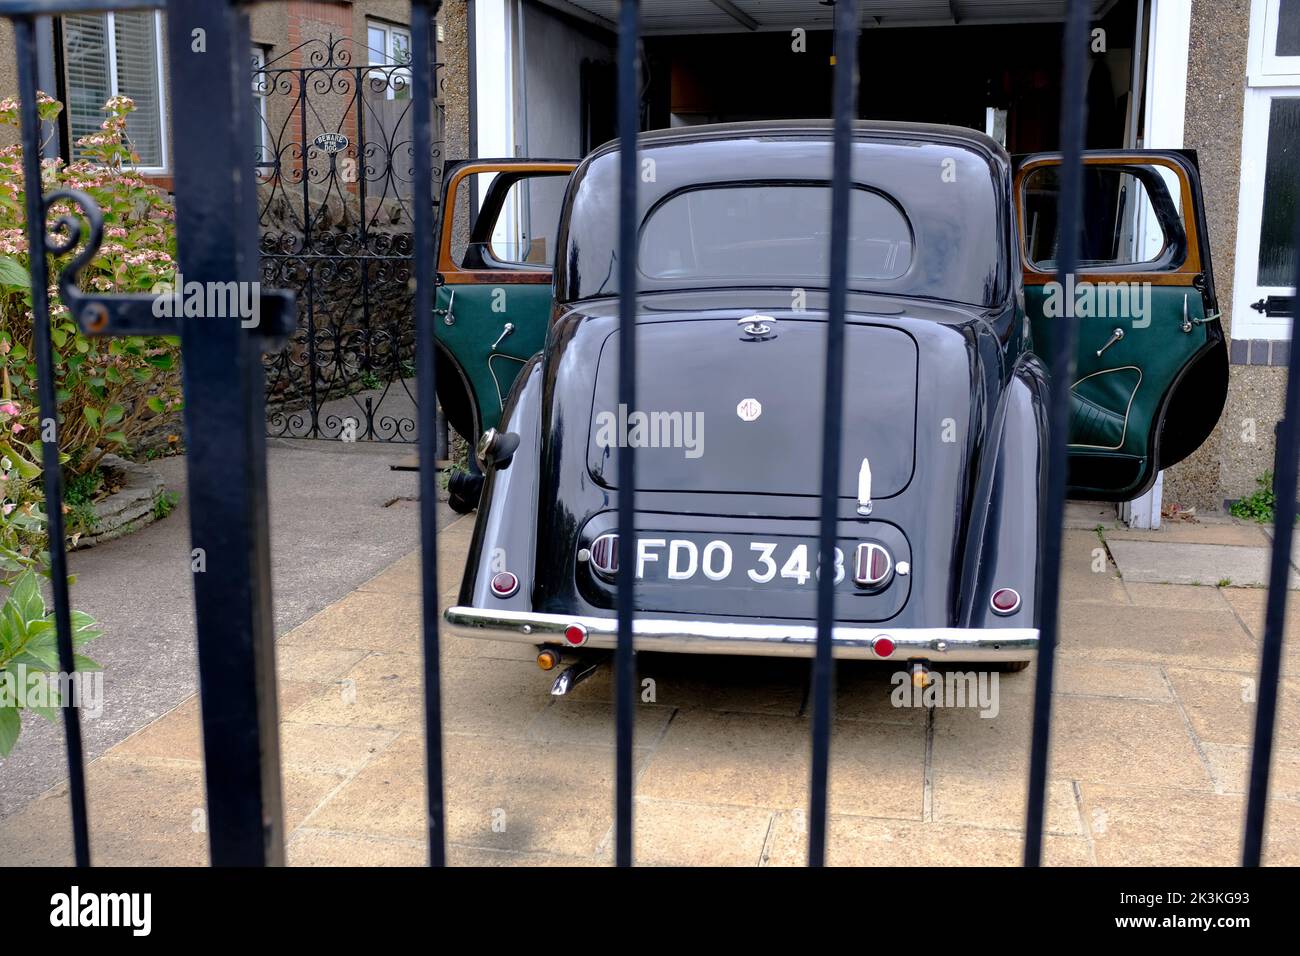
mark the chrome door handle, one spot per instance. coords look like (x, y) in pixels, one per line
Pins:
(1114, 337)
(1187, 320)
(447, 317)
(510, 327)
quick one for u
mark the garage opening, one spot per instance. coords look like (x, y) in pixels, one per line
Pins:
(991, 65)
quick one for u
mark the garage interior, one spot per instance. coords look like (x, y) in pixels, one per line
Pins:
(992, 65)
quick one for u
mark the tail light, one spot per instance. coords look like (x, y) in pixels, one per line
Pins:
(575, 635)
(1005, 601)
(873, 565)
(504, 584)
(882, 645)
(604, 554)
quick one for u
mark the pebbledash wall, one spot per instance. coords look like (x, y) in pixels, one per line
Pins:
(1241, 448)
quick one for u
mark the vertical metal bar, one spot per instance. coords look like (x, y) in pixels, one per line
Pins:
(217, 241)
(52, 477)
(422, 14)
(1285, 475)
(845, 109)
(624, 659)
(310, 288)
(1073, 109)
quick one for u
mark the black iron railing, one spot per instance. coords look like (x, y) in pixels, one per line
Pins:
(216, 214)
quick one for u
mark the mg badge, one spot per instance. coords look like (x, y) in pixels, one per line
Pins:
(331, 143)
(749, 409)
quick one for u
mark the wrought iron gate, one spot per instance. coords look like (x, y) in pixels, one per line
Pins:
(216, 210)
(335, 173)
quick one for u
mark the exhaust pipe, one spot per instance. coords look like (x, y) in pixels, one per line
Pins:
(573, 675)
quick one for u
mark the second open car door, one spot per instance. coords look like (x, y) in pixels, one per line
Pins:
(1151, 370)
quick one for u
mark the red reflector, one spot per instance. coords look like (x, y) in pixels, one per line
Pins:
(576, 635)
(1005, 601)
(883, 646)
(504, 584)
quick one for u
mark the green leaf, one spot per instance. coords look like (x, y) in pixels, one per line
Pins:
(156, 404)
(91, 415)
(10, 726)
(114, 414)
(26, 597)
(25, 468)
(163, 361)
(119, 437)
(44, 659)
(13, 275)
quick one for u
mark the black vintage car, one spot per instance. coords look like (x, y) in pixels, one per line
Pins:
(952, 297)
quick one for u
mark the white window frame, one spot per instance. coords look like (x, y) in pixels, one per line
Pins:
(257, 61)
(1267, 68)
(389, 30)
(163, 138)
(1265, 82)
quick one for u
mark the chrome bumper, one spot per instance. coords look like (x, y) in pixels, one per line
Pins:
(771, 640)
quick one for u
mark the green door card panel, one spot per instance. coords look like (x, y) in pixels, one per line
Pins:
(478, 317)
(1117, 396)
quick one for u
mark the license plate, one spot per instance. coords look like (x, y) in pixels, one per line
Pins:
(732, 560)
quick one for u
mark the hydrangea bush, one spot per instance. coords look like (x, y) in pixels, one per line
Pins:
(111, 390)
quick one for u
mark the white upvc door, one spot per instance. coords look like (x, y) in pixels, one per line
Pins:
(1169, 31)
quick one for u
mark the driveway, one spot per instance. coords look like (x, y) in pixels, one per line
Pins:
(1152, 725)
(339, 514)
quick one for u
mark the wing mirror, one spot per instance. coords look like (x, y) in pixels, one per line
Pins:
(495, 448)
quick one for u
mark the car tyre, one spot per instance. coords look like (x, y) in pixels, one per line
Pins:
(1013, 667)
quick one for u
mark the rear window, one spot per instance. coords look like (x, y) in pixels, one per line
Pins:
(771, 230)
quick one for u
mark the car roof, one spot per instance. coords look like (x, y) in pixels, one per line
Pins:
(862, 130)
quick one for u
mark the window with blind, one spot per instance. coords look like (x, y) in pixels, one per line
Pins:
(116, 54)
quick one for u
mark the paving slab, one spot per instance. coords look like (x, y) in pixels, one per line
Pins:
(1159, 562)
(1229, 532)
(1157, 635)
(1156, 827)
(863, 841)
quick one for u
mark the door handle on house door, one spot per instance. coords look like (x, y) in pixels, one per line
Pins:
(510, 327)
(1114, 337)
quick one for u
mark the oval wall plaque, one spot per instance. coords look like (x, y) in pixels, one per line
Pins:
(331, 143)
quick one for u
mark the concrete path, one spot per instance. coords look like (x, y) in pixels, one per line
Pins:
(1152, 726)
(1223, 552)
(338, 513)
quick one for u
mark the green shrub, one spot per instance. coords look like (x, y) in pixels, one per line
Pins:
(1258, 506)
(28, 648)
(110, 390)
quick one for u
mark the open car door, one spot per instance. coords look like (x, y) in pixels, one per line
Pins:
(494, 281)
(1151, 373)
